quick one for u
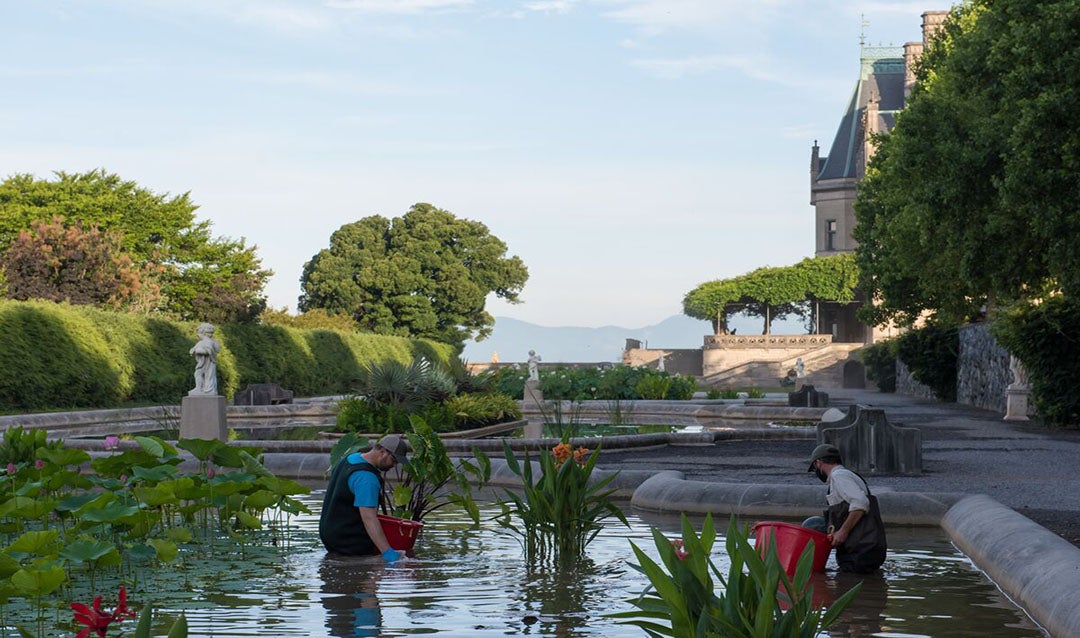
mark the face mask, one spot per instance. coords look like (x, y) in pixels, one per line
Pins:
(822, 476)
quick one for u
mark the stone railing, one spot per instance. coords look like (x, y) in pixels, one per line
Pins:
(767, 341)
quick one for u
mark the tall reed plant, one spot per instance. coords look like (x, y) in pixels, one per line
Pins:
(562, 510)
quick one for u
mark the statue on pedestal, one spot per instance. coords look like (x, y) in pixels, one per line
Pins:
(1019, 374)
(205, 351)
(534, 366)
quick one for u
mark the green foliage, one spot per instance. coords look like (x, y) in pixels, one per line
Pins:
(137, 510)
(317, 319)
(1044, 338)
(508, 380)
(930, 353)
(561, 511)
(425, 274)
(682, 388)
(880, 361)
(758, 599)
(20, 447)
(60, 356)
(202, 278)
(775, 292)
(431, 480)
(59, 262)
(755, 393)
(653, 387)
(488, 408)
(971, 200)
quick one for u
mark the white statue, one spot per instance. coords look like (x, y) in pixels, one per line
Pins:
(1019, 374)
(660, 363)
(205, 351)
(534, 366)
(800, 371)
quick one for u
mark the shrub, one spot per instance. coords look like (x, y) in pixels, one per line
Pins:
(682, 388)
(1044, 338)
(880, 362)
(476, 410)
(930, 353)
(653, 387)
(508, 380)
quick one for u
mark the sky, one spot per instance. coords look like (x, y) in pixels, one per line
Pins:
(626, 150)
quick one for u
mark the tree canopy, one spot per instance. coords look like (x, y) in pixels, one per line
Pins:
(425, 274)
(973, 199)
(201, 277)
(773, 292)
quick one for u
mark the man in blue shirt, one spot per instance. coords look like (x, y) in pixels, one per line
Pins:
(349, 523)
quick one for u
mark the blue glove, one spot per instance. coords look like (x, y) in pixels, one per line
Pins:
(391, 555)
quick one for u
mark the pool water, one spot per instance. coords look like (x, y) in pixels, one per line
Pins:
(467, 582)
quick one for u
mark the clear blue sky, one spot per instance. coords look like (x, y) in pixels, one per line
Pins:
(626, 150)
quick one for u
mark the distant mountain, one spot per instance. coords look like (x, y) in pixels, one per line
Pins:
(513, 339)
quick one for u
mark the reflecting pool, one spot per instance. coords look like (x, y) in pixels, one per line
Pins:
(466, 582)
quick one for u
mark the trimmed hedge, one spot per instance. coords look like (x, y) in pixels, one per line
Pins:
(880, 361)
(57, 356)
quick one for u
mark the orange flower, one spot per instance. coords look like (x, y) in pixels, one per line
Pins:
(561, 452)
(579, 455)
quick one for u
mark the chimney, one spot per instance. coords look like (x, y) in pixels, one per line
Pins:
(931, 23)
(815, 162)
(912, 52)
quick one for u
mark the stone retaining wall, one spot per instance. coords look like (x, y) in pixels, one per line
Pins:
(982, 369)
(906, 383)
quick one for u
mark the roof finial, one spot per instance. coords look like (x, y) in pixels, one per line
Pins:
(863, 23)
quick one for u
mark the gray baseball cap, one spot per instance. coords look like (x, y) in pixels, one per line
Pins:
(397, 446)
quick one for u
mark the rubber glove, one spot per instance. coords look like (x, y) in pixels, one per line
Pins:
(391, 555)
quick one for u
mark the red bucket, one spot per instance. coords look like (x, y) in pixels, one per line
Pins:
(401, 533)
(791, 540)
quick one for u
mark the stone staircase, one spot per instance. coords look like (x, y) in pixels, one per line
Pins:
(823, 367)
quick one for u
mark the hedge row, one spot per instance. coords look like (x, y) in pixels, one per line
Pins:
(56, 356)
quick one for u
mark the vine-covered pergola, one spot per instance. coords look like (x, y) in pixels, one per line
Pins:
(772, 292)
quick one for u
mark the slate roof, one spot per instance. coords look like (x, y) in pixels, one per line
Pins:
(882, 77)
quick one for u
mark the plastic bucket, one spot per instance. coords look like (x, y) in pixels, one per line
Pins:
(791, 540)
(401, 533)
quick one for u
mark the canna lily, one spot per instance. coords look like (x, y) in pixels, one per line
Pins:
(680, 553)
(97, 621)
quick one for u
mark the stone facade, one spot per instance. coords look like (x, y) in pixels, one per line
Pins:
(684, 361)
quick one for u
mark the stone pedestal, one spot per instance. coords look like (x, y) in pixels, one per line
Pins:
(534, 398)
(1016, 404)
(203, 417)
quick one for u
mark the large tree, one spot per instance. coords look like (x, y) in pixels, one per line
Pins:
(972, 200)
(425, 274)
(201, 277)
(60, 262)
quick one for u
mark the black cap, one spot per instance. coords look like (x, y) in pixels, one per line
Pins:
(823, 451)
(397, 446)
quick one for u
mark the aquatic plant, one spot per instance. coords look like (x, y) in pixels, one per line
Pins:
(560, 511)
(757, 599)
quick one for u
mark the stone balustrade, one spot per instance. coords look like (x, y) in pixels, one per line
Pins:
(767, 341)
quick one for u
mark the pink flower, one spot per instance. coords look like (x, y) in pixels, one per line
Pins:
(123, 478)
(680, 553)
(210, 473)
(11, 469)
(112, 442)
(39, 464)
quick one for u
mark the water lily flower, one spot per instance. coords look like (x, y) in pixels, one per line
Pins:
(39, 464)
(97, 621)
(112, 442)
(11, 469)
(210, 473)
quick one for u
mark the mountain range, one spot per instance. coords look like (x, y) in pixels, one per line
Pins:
(513, 338)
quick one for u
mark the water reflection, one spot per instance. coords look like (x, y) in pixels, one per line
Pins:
(349, 586)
